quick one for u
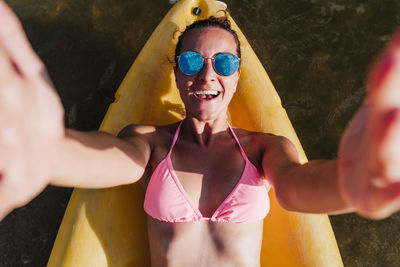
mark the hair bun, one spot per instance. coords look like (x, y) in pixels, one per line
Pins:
(223, 19)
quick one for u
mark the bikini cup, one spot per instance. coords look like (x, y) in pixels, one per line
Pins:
(166, 199)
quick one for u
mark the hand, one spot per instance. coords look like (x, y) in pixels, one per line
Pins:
(31, 117)
(369, 153)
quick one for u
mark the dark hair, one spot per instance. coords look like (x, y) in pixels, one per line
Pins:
(221, 22)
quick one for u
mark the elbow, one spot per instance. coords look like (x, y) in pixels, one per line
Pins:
(285, 187)
(283, 196)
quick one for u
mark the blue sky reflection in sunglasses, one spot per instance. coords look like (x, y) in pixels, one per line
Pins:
(191, 63)
(226, 64)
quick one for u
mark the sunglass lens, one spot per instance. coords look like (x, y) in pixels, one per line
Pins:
(226, 64)
(190, 63)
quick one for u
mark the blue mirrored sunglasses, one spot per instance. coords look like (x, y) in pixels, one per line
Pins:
(191, 63)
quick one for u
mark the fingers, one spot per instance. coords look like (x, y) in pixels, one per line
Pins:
(382, 202)
(383, 66)
(7, 70)
(9, 191)
(15, 43)
(384, 121)
(31, 117)
(384, 80)
(8, 90)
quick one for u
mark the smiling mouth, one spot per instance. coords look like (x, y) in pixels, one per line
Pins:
(206, 94)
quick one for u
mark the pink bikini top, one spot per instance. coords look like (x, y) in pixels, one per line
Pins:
(166, 200)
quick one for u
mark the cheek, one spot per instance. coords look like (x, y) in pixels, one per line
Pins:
(230, 86)
(182, 81)
(183, 86)
(232, 81)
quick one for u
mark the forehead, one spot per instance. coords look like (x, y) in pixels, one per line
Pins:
(209, 41)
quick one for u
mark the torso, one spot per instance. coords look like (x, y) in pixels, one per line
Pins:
(208, 175)
(204, 243)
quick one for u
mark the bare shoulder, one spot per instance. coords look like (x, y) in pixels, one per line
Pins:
(270, 153)
(135, 130)
(277, 146)
(269, 145)
(151, 133)
(138, 135)
(266, 140)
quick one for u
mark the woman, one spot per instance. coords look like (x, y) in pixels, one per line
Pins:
(208, 213)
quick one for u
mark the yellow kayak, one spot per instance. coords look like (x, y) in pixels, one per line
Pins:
(108, 227)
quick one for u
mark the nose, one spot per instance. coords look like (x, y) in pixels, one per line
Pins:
(207, 73)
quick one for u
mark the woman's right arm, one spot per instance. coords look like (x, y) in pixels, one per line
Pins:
(35, 149)
(99, 159)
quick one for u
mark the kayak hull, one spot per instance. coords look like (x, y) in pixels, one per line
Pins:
(107, 227)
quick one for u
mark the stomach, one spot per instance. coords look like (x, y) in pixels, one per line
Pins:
(204, 243)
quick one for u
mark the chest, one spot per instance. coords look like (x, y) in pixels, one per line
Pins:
(207, 175)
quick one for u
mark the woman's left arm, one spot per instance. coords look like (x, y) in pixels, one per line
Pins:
(369, 152)
(311, 187)
(366, 176)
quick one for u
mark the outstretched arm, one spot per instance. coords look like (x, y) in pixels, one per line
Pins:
(366, 176)
(369, 154)
(312, 187)
(35, 149)
(99, 159)
(31, 117)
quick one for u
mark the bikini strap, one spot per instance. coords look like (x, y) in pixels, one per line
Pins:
(237, 141)
(175, 138)
(230, 127)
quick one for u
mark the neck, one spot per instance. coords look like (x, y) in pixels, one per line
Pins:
(204, 132)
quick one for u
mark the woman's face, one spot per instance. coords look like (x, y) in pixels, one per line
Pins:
(207, 42)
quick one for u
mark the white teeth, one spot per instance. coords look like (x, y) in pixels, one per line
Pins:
(206, 92)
